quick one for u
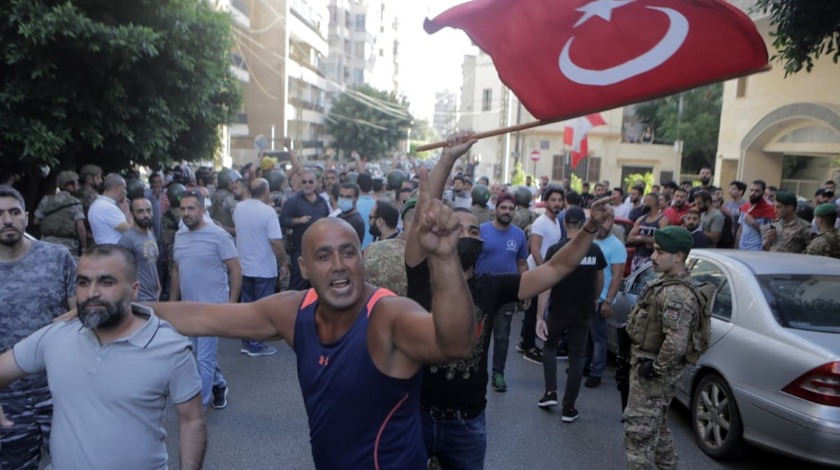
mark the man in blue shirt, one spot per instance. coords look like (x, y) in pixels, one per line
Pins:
(505, 251)
(299, 212)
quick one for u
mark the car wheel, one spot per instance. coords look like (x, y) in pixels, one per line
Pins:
(715, 418)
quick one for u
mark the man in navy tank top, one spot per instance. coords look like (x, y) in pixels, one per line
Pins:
(359, 349)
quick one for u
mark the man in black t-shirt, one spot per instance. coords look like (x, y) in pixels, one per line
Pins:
(570, 303)
(453, 397)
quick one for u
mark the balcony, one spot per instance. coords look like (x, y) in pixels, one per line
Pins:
(239, 68)
(239, 11)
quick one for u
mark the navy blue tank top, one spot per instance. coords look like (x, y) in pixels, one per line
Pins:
(359, 418)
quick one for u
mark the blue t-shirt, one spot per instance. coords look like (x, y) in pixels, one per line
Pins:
(615, 253)
(364, 205)
(502, 249)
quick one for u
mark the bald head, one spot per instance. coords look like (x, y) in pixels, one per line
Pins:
(327, 229)
(259, 189)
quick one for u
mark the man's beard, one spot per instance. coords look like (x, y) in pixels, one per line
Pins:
(11, 239)
(691, 228)
(756, 199)
(705, 181)
(504, 219)
(106, 314)
(143, 223)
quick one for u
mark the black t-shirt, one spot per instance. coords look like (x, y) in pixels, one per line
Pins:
(463, 384)
(355, 220)
(573, 298)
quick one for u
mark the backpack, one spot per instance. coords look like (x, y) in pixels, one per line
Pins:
(701, 337)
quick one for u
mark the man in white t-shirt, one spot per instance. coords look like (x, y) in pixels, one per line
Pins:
(545, 231)
(107, 220)
(259, 240)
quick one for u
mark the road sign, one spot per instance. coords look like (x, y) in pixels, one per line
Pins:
(535, 155)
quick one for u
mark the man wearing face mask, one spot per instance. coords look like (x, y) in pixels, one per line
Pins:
(119, 363)
(348, 196)
(453, 396)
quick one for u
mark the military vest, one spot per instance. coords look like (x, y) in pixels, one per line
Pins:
(58, 217)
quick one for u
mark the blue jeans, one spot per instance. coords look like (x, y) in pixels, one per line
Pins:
(598, 338)
(457, 443)
(253, 289)
(501, 335)
(208, 367)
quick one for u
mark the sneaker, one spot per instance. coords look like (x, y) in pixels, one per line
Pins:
(569, 414)
(592, 382)
(534, 355)
(265, 350)
(220, 397)
(548, 400)
(499, 384)
(520, 348)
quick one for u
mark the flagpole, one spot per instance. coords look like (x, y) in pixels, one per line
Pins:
(495, 132)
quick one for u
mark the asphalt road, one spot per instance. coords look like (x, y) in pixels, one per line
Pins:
(265, 427)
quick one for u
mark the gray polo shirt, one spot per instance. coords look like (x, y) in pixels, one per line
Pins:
(109, 402)
(201, 256)
(145, 250)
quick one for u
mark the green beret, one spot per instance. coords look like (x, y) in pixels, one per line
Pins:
(786, 197)
(673, 239)
(825, 209)
(409, 204)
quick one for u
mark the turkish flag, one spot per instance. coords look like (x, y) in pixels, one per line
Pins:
(574, 57)
(574, 135)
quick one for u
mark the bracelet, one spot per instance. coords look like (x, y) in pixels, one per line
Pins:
(592, 232)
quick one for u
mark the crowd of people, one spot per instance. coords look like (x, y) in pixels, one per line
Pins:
(345, 267)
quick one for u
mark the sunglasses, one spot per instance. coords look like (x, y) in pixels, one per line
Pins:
(308, 181)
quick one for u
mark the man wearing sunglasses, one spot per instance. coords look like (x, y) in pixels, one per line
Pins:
(299, 212)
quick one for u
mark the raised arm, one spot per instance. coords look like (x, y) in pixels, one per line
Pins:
(567, 258)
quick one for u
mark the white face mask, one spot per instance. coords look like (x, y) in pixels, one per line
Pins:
(207, 203)
(345, 204)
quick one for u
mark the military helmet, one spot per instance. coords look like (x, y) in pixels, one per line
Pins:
(89, 169)
(66, 177)
(135, 188)
(395, 179)
(227, 176)
(276, 180)
(805, 211)
(480, 194)
(351, 177)
(523, 196)
(174, 192)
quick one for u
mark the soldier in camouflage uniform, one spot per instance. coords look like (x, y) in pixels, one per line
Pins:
(91, 178)
(788, 233)
(168, 227)
(827, 242)
(61, 217)
(660, 327)
(480, 194)
(39, 283)
(224, 199)
(523, 217)
(385, 260)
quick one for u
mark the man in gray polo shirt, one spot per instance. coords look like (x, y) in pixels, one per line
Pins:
(111, 372)
(141, 242)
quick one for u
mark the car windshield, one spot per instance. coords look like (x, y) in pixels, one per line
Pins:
(804, 302)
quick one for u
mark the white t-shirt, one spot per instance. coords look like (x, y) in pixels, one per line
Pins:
(551, 233)
(105, 216)
(256, 223)
(623, 210)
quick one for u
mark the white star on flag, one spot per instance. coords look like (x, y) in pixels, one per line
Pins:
(602, 8)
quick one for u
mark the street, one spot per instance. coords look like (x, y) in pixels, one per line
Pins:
(265, 427)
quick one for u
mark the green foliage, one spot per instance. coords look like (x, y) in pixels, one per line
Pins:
(577, 184)
(647, 178)
(697, 126)
(422, 131)
(369, 121)
(804, 30)
(112, 83)
(518, 177)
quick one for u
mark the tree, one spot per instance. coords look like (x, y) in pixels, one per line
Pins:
(804, 30)
(112, 83)
(697, 124)
(369, 121)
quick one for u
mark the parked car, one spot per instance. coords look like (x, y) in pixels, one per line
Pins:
(771, 377)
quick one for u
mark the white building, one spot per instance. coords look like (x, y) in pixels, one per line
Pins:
(446, 112)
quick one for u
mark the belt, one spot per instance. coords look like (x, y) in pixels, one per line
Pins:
(446, 414)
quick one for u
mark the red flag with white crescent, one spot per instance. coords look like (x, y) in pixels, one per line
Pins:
(566, 58)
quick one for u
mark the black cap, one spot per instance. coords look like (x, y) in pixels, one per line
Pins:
(575, 215)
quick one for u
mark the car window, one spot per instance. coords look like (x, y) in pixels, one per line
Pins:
(803, 301)
(706, 271)
(641, 280)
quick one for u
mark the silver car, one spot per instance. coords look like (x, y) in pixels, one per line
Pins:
(771, 377)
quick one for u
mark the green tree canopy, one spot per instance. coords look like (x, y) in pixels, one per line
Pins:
(697, 125)
(369, 121)
(112, 83)
(804, 30)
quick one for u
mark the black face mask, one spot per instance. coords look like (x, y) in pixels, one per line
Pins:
(468, 250)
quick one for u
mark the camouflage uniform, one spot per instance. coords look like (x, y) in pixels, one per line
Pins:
(168, 227)
(385, 265)
(826, 244)
(660, 327)
(222, 204)
(791, 237)
(483, 214)
(523, 218)
(87, 196)
(58, 215)
(35, 290)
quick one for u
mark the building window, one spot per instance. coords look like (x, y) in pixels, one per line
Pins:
(545, 145)
(360, 23)
(348, 47)
(486, 99)
(558, 164)
(358, 75)
(359, 49)
(348, 20)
